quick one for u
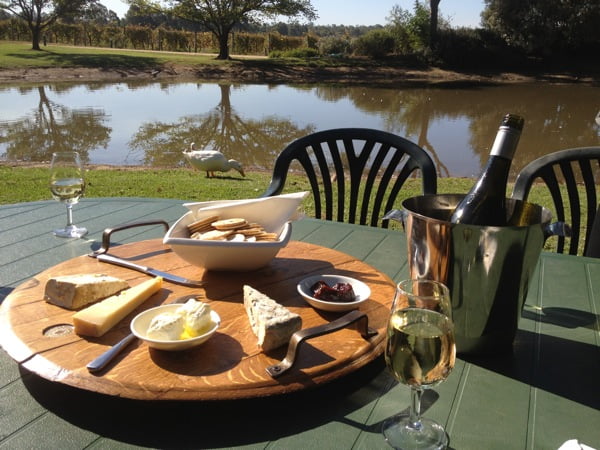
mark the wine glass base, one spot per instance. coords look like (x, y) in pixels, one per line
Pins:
(400, 433)
(70, 232)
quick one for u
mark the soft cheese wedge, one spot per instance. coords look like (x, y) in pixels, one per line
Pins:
(272, 323)
(76, 291)
(97, 319)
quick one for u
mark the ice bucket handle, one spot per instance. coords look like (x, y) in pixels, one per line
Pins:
(396, 214)
(557, 229)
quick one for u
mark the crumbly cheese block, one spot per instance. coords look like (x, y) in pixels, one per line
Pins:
(272, 323)
(76, 291)
(97, 319)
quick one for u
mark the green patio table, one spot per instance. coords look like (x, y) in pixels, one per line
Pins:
(539, 396)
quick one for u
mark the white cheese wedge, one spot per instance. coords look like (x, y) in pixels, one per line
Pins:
(272, 323)
(97, 319)
(76, 291)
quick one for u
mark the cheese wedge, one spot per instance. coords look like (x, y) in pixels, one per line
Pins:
(97, 319)
(76, 291)
(272, 323)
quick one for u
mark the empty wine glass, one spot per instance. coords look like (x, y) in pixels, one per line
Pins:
(67, 186)
(420, 352)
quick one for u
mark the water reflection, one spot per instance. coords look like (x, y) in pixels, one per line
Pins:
(255, 142)
(150, 124)
(53, 127)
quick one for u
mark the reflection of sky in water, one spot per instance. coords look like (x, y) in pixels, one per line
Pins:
(449, 114)
(450, 138)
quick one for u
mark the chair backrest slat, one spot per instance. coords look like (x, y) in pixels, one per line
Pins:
(354, 172)
(591, 198)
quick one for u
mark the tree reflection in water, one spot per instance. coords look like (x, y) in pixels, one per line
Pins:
(252, 123)
(53, 127)
(556, 117)
(249, 141)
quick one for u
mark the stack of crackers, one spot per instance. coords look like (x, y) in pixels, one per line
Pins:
(214, 228)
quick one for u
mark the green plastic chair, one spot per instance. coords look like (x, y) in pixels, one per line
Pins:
(355, 173)
(569, 168)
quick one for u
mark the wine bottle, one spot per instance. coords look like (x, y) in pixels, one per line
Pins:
(485, 204)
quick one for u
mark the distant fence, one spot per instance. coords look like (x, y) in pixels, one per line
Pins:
(146, 38)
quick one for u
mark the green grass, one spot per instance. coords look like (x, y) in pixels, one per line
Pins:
(15, 55)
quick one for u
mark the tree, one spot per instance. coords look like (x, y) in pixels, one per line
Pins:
(220, 17)
(544, 27)
(40, 14)
(411, 30)
(98, 14)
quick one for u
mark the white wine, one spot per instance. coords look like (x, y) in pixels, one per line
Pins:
(67, 190)
(420, 349)
(485, 204)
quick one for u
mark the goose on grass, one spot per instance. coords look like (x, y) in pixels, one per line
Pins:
(211, 161)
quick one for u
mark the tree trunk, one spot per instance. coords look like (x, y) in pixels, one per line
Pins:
(35, 38)
(433, 23)
(223, 45)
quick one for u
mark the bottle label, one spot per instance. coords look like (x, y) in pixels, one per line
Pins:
(505, 143)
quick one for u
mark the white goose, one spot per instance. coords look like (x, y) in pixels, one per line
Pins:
(211, 161)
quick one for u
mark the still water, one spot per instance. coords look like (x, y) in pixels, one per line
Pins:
(150, 124)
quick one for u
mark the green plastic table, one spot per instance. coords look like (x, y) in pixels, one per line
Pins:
(542, 394)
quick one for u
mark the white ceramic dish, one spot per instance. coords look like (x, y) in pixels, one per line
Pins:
(223, 255)
(361, 290)
(141, 322)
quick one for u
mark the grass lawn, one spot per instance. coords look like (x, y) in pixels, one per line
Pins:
(14, 55)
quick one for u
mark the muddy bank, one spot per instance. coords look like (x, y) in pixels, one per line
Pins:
(257, 72)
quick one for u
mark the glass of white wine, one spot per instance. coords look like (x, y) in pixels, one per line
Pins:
(67, 186)
(420, 352)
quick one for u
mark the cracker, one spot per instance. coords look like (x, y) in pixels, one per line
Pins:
(202, 224)
(215, 235)
(229, 224)
(251, 231)
(266, 236)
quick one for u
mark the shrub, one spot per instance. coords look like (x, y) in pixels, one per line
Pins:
(375, 44)
(334, 45)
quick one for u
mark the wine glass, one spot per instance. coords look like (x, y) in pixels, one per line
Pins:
(67, 185)
(420, 351)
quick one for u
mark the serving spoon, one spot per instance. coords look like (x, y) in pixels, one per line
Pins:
(105, 358)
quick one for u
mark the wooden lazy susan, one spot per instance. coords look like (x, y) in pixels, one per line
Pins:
(39, 335)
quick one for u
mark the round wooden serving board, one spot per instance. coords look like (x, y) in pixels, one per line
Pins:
(229, 365)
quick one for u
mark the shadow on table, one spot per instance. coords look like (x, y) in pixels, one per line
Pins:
(564, 317)
(549, 363)
(208, 424)
(4, 292)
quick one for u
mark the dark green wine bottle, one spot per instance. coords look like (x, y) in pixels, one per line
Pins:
(485, 204)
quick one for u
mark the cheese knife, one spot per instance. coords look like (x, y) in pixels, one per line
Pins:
(147, 270)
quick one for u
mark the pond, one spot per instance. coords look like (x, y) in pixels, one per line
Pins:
(150, 123)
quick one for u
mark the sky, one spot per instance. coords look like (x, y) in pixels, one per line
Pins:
(367, 12)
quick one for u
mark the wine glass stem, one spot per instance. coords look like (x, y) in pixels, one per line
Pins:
(69, 215)
(415, 407)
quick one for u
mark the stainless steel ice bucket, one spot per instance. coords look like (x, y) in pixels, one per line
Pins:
(487, 269)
